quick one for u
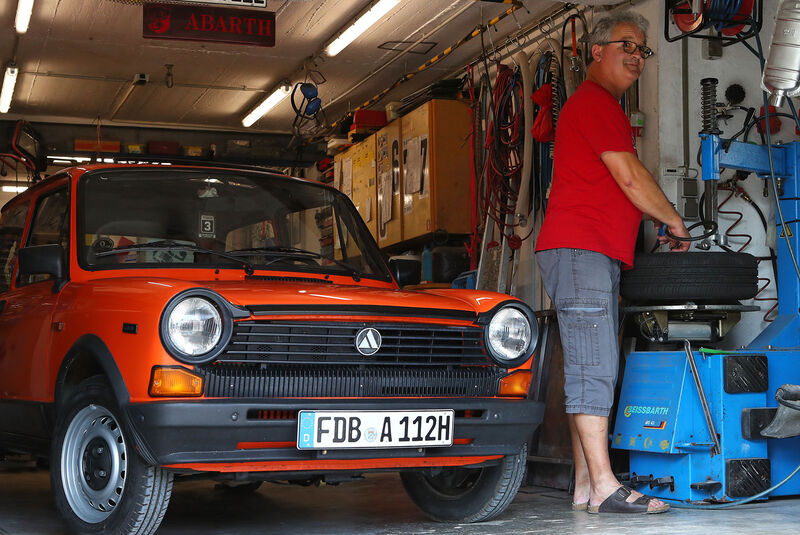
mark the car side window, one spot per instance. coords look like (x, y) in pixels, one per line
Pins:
(50, 225)
(11, 227)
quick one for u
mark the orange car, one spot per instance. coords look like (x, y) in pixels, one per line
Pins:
(164, 321)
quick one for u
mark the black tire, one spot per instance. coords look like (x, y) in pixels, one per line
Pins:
(100, 484)
(463, 495)
(718, 276)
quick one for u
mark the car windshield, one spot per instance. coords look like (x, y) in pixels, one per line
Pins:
(155, 217)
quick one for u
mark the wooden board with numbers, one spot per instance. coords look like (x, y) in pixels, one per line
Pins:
(435, 173)
(355, 176)
(388, 157)
(364, 193)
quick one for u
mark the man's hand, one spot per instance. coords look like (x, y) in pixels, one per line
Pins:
(676, 229)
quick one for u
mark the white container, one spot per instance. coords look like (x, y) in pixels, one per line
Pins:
(782, 71)
(393, 110)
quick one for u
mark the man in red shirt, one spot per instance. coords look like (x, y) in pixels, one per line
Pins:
(600, 191)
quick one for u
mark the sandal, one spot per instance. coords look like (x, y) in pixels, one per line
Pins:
(616, 503)
(580, 506)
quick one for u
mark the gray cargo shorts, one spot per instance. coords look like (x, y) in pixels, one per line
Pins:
(584, 287)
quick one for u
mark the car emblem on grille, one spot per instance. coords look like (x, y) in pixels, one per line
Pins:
(368, 341)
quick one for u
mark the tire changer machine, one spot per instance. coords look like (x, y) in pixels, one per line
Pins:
(719, 426)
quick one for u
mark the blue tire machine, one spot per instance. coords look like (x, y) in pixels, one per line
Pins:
(705, 425)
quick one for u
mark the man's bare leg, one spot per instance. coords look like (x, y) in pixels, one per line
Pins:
(582, 481)
(593, 435)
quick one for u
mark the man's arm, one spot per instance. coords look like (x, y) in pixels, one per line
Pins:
(641, 189)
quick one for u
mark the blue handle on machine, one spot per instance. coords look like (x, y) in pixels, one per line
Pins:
(662, 230)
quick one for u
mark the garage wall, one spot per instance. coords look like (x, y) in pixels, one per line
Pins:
(740, 66)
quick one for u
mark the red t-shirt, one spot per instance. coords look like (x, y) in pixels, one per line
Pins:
(587, 209)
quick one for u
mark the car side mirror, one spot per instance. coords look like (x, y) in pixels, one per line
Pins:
(42, 259)
(406, 271)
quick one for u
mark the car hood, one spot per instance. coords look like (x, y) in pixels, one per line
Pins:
(263, 296)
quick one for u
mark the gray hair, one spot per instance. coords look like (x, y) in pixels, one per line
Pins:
(605, 26)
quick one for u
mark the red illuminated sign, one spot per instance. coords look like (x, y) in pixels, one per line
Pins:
(208, 23)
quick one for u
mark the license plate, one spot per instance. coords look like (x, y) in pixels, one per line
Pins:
(325, 430)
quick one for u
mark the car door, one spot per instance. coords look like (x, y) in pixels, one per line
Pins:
(25, 320)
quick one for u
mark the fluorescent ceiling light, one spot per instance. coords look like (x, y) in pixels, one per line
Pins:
(24, 10)
(266, 105)
(9, 81)
(360, 26)
(14, 189)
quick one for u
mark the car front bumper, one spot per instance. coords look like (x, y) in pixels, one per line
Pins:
(257, 435)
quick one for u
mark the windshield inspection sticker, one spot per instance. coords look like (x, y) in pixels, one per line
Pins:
(207, 226)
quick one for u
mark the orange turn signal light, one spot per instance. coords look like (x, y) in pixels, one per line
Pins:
(175, 382)
(516, 384)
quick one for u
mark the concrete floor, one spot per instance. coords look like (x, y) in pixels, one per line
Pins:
(375, 506)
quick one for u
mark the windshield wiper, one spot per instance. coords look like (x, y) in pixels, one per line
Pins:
(175, 246)
(281, 252)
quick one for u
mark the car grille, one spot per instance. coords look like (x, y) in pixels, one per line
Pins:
(259, 381)
(282, 342)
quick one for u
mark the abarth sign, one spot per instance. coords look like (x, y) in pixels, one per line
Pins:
(208, 23)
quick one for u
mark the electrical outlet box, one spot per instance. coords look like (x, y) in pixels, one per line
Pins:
(688, 187)
(689, 208)
(688, 191)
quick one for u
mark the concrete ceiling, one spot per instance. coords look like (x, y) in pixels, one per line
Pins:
(78, 59)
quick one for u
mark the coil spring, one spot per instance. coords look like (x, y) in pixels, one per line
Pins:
(708, 103)
(739, 216)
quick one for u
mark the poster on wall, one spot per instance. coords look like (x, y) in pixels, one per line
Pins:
(413, 166)
(347, 177)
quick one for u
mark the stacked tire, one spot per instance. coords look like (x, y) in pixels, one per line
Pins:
(718, 277)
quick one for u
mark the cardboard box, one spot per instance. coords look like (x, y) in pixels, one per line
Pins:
(368, 119)
(193, 150)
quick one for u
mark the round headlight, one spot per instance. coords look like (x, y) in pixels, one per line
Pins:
(509, 334)
(194, 326)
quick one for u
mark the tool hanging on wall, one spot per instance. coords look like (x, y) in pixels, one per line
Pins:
(732, 20)
(504, 209)
(501, 174)
(576, 72)
(523, 221)
(479, 104)
(546, 73)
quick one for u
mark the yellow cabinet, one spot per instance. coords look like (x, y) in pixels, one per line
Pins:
(435, 174)
(355, 177)
(388, 157)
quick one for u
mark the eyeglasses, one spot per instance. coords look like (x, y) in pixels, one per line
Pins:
(630, 47)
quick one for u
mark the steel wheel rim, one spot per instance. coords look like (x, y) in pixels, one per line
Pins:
(93, 425)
